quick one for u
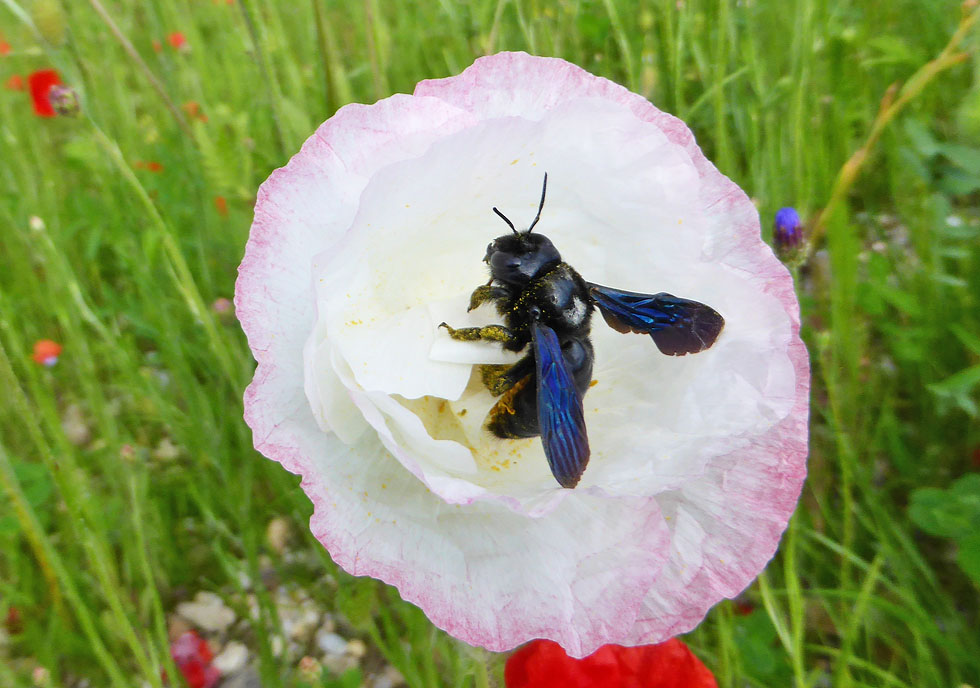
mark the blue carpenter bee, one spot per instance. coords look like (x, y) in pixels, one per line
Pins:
(547, 304)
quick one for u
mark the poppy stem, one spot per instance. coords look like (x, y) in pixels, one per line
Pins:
(326, 50)
(181, 273)
(71, 487)
(893, 102)
(371, 33)
(266, 76)
(147, 72)
(481, 675)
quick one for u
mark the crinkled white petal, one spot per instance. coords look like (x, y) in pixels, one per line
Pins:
(622, 207)
(373, 234)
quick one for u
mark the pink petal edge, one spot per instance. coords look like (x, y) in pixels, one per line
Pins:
(282, 439)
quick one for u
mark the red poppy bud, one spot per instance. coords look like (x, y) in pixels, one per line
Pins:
(193, 657)
(176, 40)
(64, 100)
(46, 352)
(4, 48)
(14, 83)
(221, 205)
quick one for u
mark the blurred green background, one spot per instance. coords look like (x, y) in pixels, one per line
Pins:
(129, 482)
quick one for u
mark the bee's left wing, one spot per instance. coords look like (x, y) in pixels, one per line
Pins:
(561, 418)
(677, 326)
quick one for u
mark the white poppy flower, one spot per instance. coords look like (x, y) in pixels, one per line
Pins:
(373, 234)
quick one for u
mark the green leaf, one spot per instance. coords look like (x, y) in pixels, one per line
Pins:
(891, 50)
(966, 158)
(36, 483)
(356, 601)
(968, 556)
(921, 138)
(966, 378)
(954, 512)
(959, 388)
(755, 637)
(969, 340)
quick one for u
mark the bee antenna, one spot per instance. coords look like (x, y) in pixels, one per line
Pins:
(544, 189)
(504, 218)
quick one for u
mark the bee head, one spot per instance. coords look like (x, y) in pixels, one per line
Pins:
(518, 257)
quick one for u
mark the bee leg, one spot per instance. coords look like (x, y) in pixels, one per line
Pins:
(500, 378)
(485, 293)
(494, 377)
(489, 333)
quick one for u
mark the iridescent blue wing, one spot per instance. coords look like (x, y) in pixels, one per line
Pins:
(677, 326)
(560, 415)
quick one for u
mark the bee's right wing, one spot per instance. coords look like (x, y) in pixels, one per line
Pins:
(677, 326)
(561, 418)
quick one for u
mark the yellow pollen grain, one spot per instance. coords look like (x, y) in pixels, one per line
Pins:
(384, 486)
(515, 161)
(593, 383)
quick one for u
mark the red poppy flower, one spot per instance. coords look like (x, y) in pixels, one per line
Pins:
(14, 622)
(221, 205)
(193, 657)
(193, 110)
(176, 40)
(14, 83)
(149, 165)
(4, 48)
(744, 607)
(543, 664)
(40, 84)
(46, 352)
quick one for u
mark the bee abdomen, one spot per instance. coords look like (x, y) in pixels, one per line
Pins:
(515, 415)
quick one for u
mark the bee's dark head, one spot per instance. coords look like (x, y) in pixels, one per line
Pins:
(518, 257)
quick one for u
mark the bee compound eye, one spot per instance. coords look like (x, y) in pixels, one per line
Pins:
(534, 312)
(504, 261)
